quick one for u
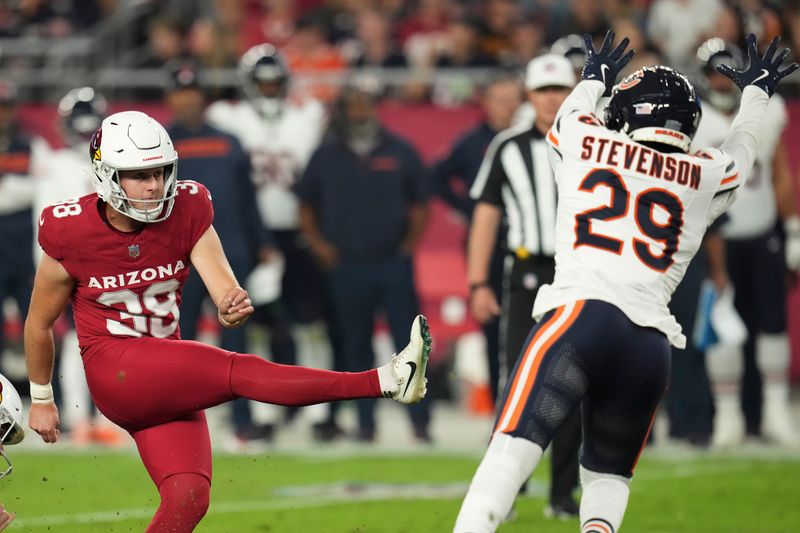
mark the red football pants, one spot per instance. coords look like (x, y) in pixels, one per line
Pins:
(157, 388)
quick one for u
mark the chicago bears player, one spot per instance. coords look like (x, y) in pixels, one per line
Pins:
(280, 132)
(122, 256)
(11, 432)
(757, 261)
(633, 206)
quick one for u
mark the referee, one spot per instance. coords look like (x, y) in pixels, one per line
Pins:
(516, 179)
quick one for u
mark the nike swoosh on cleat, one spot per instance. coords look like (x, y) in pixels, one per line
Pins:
(764, 74)
(411, 376)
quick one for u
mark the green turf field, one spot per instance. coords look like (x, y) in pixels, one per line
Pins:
(413, 493)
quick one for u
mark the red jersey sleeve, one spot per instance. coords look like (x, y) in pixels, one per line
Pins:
(194, 205)
(53, 228)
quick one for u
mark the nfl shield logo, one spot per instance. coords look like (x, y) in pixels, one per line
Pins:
(133, 250)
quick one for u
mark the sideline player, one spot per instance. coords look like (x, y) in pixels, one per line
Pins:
(633, 207)
(758, 260)
(280, 128)
(122, 256)
(11, 432)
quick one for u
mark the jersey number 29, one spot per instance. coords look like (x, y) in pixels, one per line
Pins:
(667, 233)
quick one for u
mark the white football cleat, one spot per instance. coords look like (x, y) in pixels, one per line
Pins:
(409, 365)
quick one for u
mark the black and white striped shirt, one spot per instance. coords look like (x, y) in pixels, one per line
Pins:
(516, 175)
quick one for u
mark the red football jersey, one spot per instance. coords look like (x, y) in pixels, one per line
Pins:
(126, 284)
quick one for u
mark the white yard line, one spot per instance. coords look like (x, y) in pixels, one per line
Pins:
(323, 495)
(306, 497)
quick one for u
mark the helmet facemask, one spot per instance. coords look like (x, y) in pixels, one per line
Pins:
(133, 141)
(115, 195)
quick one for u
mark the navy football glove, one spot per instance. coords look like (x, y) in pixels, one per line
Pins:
(605, 64)
(763, 72)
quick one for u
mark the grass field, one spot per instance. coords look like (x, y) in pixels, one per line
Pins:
(405, 494)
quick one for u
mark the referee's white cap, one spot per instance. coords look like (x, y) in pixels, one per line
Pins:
(549, 70)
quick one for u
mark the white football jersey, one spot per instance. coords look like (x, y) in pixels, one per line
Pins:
(60, 175)
(755, 210)
(629, 219)
(279, 151)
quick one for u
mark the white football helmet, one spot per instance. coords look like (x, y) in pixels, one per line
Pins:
(11, 431)
(132, 140)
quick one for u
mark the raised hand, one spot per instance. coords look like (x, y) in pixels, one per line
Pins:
(762, 71)
(605, 64)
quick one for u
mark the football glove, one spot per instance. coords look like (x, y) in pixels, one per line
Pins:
(605, 64)
(762, 71)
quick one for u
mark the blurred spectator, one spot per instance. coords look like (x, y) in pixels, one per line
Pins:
(231, 16)
(217, 160)
(527, 37)
(463, 51)
(728, 26)
(423, 32)
(499, 17)
(677, 27)
(363, 211)
(35, 18)
(585, 16)
(463, 46)
(215, 48)
(308, 52)
(453, 177)
(374, 46)
(275, 25)
(16, 213)
(165, 42)
(211, 45)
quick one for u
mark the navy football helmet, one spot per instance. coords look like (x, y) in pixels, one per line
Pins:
(716, 88)
(82, 111)
(264, 65)
(655, 104)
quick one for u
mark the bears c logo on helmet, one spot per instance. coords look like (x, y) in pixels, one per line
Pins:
(94, 145)
(630, 81)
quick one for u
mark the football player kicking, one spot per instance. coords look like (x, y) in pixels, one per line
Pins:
(633, 207)
(121, 256)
